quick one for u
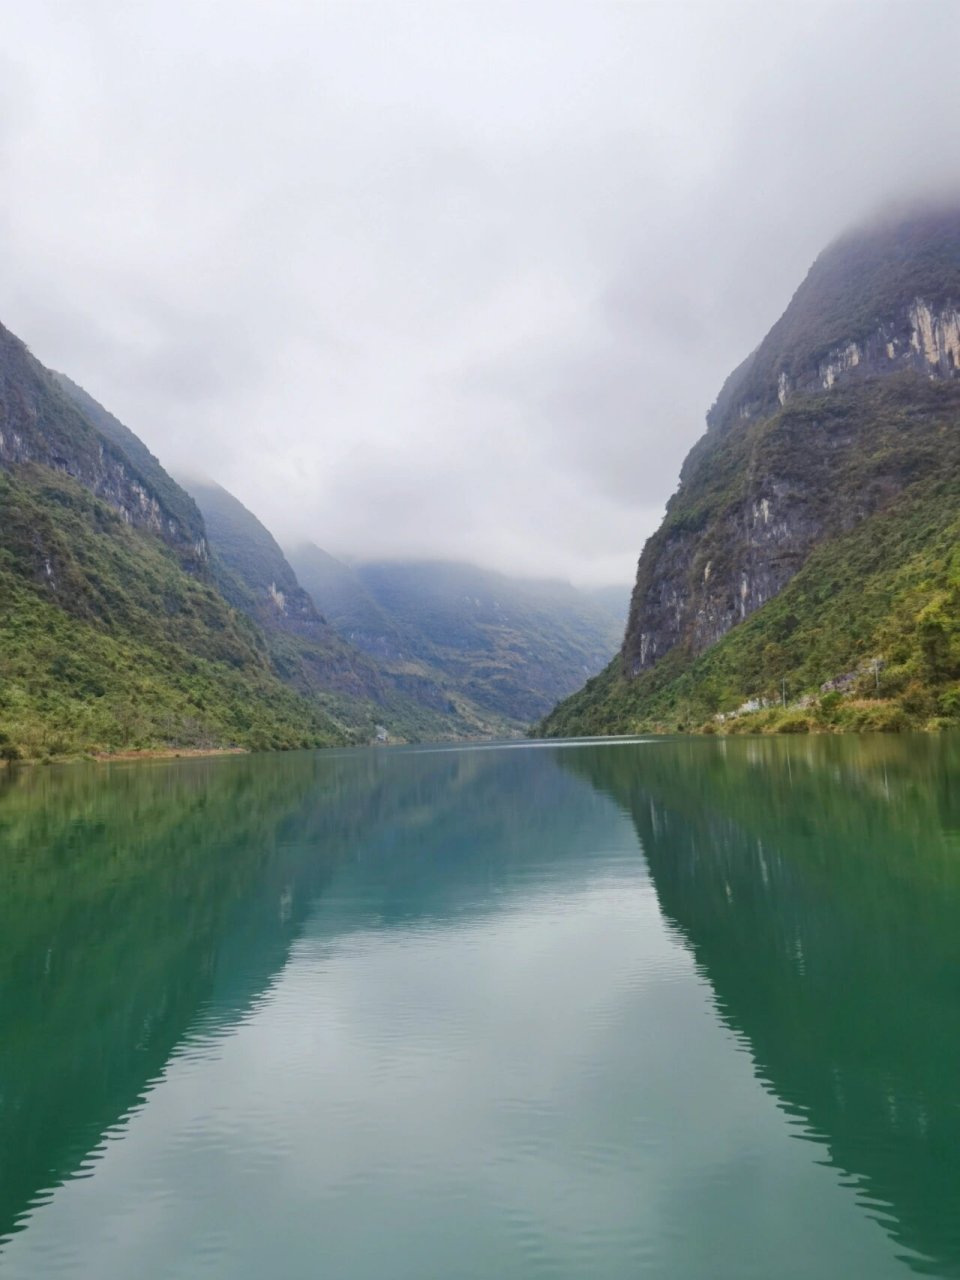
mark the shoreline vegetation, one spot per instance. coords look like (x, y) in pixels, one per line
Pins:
(857, 716)
(165, 753)
(11, 756)
(124, 755)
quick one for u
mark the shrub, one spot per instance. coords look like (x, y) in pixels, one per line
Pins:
(889, 719)
(793, 724)
(917, 701)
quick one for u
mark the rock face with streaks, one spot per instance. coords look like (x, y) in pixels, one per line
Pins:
(773, 474)
(44, 421)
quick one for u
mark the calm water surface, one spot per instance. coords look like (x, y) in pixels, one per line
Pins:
(677, 1009)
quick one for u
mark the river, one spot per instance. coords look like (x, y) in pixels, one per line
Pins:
(685, 1009)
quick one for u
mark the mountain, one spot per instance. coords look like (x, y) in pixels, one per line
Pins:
(136, 615)
(348, 603)
(307, 652)
(809, 556)
(113, 634)
(509, 646)
(252, 573)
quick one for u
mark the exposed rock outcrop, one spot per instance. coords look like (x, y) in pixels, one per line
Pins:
(41, 423)
(770, 478)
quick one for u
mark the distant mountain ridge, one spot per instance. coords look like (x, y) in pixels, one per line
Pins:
(810, 538)
(256, 577)
(511, 646)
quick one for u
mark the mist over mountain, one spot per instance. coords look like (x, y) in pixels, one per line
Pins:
(138, 614)
(511, 646)
(394, 310)
(809, 553)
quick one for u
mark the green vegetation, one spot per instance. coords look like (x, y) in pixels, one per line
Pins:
(875, 608)
(106, 644)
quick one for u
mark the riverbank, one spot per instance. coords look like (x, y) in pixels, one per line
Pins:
(166, 753)
(836, 714)
(116, 757)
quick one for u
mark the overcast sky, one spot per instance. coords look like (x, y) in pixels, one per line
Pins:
(449, 279)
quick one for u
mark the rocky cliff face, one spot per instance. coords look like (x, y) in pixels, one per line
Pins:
(922, 336)
(774, 473)
(41, 423)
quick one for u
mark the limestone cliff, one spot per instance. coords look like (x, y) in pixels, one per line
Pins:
(881, 304)
(42, 423)
(813, 534)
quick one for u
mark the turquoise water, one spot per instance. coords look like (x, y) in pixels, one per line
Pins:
(672, 1009)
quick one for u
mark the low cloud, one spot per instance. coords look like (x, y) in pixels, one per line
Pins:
(439, 279)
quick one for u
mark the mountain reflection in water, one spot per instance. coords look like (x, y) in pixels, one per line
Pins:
(149, 913)
(817, 883)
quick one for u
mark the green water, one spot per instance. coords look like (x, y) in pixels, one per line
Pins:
(670, 1009)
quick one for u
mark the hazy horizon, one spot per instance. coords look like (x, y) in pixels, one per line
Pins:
(187, 480)
(451, 282)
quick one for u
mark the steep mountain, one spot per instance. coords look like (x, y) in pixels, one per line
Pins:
(42, 425)
(112, 632)
(510, 646)
(810, 547)
(250, 569)
(253, 575)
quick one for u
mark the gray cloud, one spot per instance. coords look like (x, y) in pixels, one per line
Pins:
(442, 278)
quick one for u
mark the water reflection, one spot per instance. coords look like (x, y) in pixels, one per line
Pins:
(482, 921)
(145, 909)
(817, 884)
(117, 889)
